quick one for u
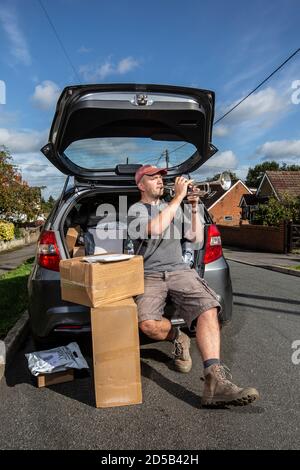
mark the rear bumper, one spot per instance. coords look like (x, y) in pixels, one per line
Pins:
(48, 313)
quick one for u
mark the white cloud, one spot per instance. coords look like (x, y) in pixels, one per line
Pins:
(83, 50)
(22, 141)
(221, 131)
(280, 150)
(100, 72)
(117, 147)
(18, 43)
(45, 95)
(38, 171)
(105, 70)
(263, 105)
(126, 65)
(8, 117)
(222, 161)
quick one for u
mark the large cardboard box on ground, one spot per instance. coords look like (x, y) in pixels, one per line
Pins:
(116, 354)
(96, 284)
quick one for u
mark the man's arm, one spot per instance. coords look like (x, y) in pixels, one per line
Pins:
(195, 232)
(161, 222)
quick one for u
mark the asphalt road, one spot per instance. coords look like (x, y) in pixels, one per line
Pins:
(12, 259)
(257, 346)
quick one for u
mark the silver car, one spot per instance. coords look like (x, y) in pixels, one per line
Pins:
(100, 135)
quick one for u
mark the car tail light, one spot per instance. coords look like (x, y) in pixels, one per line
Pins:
(48, 252)
(213, 246)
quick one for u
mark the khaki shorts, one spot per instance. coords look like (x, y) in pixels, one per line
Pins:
(188, 292)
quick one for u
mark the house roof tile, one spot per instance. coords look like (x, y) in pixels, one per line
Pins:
(285, 182)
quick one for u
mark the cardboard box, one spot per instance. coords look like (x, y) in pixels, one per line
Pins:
(44, 380)
(116, 354)
(96, 284)
(71, 237)
(78, 251)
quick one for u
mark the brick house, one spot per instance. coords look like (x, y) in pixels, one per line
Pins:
(277, 183)
(224, 206)
(273, 183)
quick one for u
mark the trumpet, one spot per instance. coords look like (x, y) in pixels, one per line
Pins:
(204, 187)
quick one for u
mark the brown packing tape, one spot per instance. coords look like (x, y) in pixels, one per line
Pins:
(112, 355)
(91, 297)
(106, 284)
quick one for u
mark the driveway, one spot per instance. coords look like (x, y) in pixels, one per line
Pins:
(257, 346)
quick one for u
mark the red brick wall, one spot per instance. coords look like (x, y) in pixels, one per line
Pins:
(229, 205)
(255, 237)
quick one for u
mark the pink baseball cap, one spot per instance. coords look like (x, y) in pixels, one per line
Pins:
(148, 170)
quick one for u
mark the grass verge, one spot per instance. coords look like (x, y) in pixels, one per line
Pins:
(13, 296)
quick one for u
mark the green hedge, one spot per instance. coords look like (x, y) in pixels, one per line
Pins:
(7, 231)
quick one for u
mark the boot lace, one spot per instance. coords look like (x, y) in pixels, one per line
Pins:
(224, 375)
(178, 348)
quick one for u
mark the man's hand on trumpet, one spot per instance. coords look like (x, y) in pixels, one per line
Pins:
(184, 187)
(180, 187)
(193, 196)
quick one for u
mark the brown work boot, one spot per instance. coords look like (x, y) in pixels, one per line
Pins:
(219, 391)
(182, 358)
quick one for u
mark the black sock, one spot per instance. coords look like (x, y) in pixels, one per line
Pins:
(210, 362)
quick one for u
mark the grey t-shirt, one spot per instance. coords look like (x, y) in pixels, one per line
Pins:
(163, 252)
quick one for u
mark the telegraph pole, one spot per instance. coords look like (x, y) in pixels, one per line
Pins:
(167, 158)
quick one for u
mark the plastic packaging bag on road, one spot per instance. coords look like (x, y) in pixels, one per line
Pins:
(56, 360)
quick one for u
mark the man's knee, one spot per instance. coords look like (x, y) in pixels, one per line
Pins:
(149, 327)
(209, 315)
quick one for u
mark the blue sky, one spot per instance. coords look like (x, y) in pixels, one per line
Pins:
(228, 47)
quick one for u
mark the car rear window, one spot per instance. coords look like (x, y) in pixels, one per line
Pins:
(98, 153)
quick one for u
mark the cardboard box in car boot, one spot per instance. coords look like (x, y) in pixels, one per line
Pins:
(78, 251)
(71, 237)
(116, 354)
(95, 284)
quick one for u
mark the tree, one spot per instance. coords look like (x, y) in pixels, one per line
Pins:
(47, 205)
(17, 198)
(254, 175)
(51, 201)
(286, 167)
(273, 212)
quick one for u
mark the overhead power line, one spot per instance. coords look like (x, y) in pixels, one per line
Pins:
(258, 86)
(59, 41)
(247, 96)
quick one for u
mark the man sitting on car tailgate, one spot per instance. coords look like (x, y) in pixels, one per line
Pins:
(167, 273)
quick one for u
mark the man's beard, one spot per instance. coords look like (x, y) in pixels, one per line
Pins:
(158, 192)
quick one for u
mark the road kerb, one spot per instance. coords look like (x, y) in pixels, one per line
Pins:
(11, 342)
(278, 269)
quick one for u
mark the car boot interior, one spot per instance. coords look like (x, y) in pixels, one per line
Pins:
(99, 214)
